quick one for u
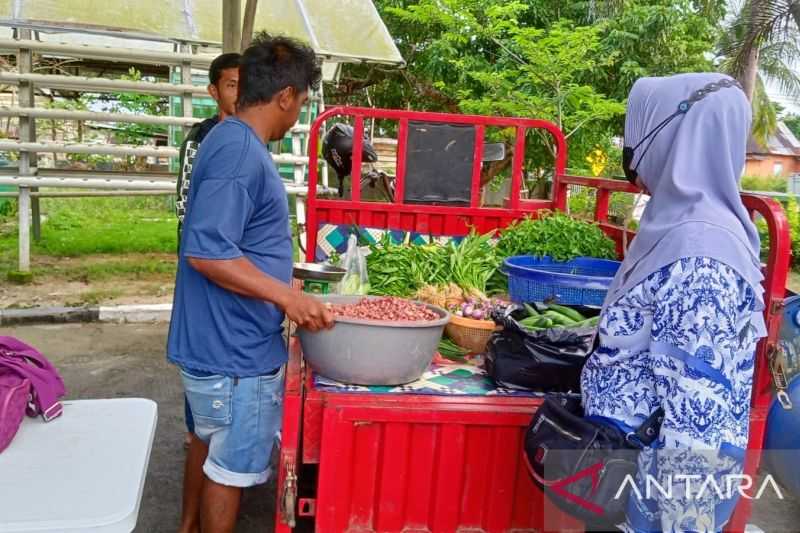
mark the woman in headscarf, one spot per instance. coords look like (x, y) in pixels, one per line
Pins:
(681, 321)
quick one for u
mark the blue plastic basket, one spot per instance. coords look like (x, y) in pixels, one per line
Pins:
(582, 281)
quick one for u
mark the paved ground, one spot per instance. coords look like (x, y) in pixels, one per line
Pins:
(105, 361)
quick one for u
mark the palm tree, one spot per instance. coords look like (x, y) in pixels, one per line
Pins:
(760, 25)
(760, 45)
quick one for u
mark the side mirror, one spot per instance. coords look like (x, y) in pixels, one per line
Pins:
(494, 152)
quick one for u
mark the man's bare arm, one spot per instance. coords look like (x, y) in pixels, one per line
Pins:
(241, 276)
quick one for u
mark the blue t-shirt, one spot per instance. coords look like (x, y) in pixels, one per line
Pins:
(237, 207)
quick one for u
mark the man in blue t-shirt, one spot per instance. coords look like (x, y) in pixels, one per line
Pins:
(223, 86)
(232, 287)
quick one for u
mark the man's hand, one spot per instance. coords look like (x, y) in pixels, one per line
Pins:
(309, 313)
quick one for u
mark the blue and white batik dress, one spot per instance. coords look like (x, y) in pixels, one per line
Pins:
(683, 340)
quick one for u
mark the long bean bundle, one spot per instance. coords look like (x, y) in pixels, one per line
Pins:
(402, 269)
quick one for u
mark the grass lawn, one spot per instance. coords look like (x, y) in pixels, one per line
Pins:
(83, 226)
(94, 250)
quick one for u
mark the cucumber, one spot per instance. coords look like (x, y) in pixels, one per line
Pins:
(531, 321)
(531, 311)
(559, 319)
(588, 322)
(567, 312)
(538, 322)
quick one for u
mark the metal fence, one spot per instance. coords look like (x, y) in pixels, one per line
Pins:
(29, 178)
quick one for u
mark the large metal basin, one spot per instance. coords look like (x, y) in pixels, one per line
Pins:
(369, 352)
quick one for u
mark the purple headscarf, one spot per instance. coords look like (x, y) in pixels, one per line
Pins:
(692, 170)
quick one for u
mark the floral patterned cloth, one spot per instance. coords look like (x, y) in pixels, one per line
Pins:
(682, 339)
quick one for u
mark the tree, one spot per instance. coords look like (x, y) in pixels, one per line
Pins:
(656, 39)
(488, 62)
(792, 121)
(761, 44)
(570, 61)
(759, 25)
(136, 103)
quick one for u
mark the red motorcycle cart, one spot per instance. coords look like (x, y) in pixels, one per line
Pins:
(362, 462)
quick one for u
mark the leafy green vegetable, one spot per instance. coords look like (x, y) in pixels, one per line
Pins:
(556, 235)
(553, 234)
(472, 264)
(473, 261)
(402, 269)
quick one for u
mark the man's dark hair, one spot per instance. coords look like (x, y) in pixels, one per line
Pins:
(220, 63)
(271, 64)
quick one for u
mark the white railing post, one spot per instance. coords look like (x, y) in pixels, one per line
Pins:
(186, 79)
(24, 209)
(27, 160)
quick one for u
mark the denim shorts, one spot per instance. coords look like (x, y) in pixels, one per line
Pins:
(238, 418)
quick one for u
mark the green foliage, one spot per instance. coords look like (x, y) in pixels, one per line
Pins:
(19, 278)
(765, 116)
(485, 61)
(109, 226)
(793, 216)
(793, 123)
(581, 203)
(92, 160)
(656, 38)
(570, 62)
(138, 104)
(8, 208)
(620, 206)
(76, 227)
(57, 127)
(402, 269)
(764, 183)
(792, 212)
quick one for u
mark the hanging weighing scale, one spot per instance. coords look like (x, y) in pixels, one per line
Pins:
(318, 278)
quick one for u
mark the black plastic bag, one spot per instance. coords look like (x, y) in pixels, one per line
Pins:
(547, 360)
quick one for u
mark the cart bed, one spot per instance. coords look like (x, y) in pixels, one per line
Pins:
(362, 462)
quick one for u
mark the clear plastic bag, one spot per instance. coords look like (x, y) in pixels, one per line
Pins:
(356, 281)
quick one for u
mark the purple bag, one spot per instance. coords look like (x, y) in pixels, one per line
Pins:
(29, 383)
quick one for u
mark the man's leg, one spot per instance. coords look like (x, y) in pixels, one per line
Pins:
(220, 507)
(239, 450)
(193, 480)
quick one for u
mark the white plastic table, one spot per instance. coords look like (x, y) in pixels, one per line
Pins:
(84, 471)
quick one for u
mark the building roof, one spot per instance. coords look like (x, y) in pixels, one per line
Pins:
(339, 30)
(782, 142)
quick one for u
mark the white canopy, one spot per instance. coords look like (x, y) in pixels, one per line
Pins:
(340, 30)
